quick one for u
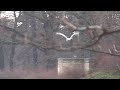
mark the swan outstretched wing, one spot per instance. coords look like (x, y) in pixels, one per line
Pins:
(61, 35)
(74, 33)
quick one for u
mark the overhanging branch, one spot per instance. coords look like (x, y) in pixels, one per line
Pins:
(30, 40)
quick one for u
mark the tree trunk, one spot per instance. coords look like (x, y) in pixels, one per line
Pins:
(48, 27)
(1, 57)
(13, 40)
(35, 53)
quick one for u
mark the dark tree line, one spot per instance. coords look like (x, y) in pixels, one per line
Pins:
(38, 30)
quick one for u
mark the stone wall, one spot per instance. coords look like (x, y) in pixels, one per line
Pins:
(73, 67)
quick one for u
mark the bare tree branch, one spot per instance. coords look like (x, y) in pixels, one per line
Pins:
(38, 18)
(68, 23)
(95, 40)
(29, 39)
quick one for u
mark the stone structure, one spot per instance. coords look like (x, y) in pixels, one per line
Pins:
(73, 66)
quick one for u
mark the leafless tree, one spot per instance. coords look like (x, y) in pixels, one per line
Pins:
(95, 24)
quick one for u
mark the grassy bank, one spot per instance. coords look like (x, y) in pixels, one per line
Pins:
(102, 75)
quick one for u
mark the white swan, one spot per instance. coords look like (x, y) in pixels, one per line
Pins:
(71, 37)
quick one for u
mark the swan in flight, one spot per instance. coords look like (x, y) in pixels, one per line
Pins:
(71, 37)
